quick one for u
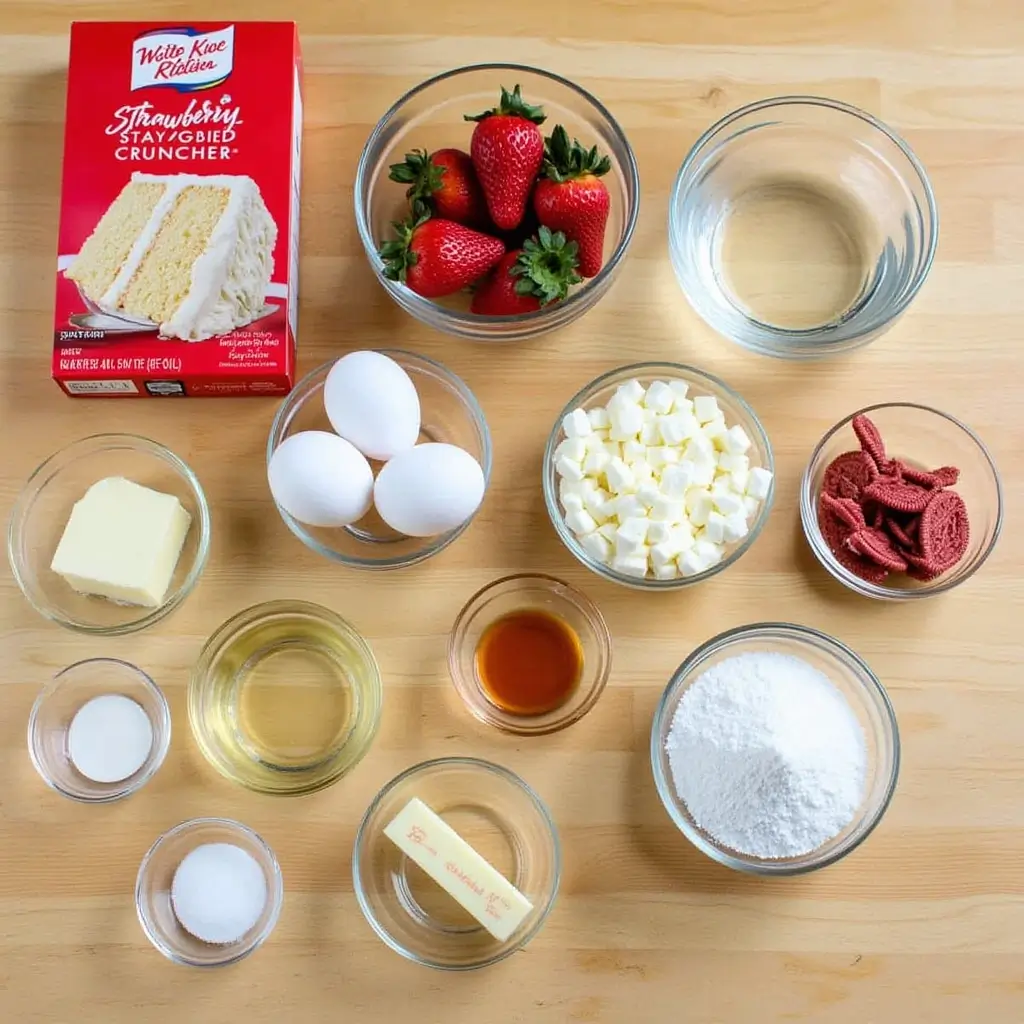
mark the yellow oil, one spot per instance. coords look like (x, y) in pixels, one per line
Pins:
(286, 706)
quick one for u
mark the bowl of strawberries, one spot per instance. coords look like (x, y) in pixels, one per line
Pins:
(496, 202)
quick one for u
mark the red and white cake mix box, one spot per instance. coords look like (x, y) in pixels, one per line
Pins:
(177, 268)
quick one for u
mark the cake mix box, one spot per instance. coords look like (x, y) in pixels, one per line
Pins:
(177, 268)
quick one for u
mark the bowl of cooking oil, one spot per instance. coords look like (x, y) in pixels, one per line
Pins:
(285, 698)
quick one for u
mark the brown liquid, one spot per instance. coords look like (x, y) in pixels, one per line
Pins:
(529, 662)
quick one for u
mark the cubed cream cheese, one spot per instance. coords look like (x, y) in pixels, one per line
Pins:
(122, 542)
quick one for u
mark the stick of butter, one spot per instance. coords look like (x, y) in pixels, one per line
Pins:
(451, 862)
(122, 542)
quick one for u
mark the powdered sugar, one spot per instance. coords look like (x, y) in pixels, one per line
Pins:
(767, 755)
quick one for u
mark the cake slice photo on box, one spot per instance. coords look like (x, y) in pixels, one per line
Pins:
(189, 256)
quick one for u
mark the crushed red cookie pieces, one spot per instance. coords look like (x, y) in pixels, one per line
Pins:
(848, 474)
(879, 514)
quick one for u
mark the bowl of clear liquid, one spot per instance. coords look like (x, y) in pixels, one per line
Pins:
(801, 227)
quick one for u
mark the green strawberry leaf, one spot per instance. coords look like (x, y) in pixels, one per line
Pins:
(512, 105)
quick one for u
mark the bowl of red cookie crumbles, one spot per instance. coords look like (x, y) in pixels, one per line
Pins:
(901, 501)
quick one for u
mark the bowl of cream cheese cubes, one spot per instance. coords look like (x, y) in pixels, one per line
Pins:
(658, 475)
(379, 459)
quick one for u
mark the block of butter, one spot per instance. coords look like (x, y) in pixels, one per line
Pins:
(451, 862)
(122, 542)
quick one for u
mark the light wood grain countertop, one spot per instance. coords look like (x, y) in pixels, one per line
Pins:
(925, 922)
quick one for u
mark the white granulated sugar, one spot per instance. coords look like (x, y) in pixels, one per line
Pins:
(218, 892)
(767, 755)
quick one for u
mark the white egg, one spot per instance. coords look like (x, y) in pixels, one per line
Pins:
(320, 479)
(429, 489)
(372, 402)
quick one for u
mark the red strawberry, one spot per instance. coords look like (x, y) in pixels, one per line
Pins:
(572, 198)
(528, 278)
(443, 184)
(436, 257)
(507, 150)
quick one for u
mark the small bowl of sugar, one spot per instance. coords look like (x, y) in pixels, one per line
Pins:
(775, 749)
(99, 730)
(209, 892)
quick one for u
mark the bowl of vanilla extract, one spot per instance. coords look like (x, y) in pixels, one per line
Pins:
(529, 654)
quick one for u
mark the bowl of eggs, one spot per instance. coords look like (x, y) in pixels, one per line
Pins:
(379, 459)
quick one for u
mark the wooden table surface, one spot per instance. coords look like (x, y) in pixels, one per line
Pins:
(925, 922)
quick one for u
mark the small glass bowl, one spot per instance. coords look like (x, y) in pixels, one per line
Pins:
(43, 508)
(60, 700)
(494, 811)
(516, 593)
(597, 393)
(866, 698)
(801, 227)
(925, 437)
(431, 116)
(153, 892)
(450, 414)
(285, 698)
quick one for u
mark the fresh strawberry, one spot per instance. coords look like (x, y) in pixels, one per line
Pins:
(436, 257)
(526, 279)
(507, 150)
(572, 198)
(443, 184)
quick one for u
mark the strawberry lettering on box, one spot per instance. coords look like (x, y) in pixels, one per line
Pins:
(178, 246)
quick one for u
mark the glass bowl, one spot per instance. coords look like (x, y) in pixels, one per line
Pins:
(865, 697)
(450, 413)
(519, 593)
(153, 892)
(494, 811)
(736, 410)
(925, 437)
(285, 698)
(58, 703)
(44, 505)
(431, 116)
(801, 227)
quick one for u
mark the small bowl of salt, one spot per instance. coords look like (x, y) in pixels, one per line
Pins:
(99, 730)
(208, 892)
(775, 749)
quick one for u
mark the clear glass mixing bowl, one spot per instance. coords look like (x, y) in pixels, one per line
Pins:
(801, 226)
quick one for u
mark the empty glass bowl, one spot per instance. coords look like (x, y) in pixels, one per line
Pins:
(44, 506)
(58, 703)
(801, 226)
(285, 698)
(597, 394)
(450, 413)
(925, 438)
(530, 591)
(155, 908)
(856, 683)
(430, 116)
(498, 815)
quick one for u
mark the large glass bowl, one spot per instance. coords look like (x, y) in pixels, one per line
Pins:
(450, 413)
(736, 410)
(924, 437)
(430, 116)
(44, 505)
(801, 227)
(855, 682)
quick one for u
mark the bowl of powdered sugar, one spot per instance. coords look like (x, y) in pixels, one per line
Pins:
(775, 749)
